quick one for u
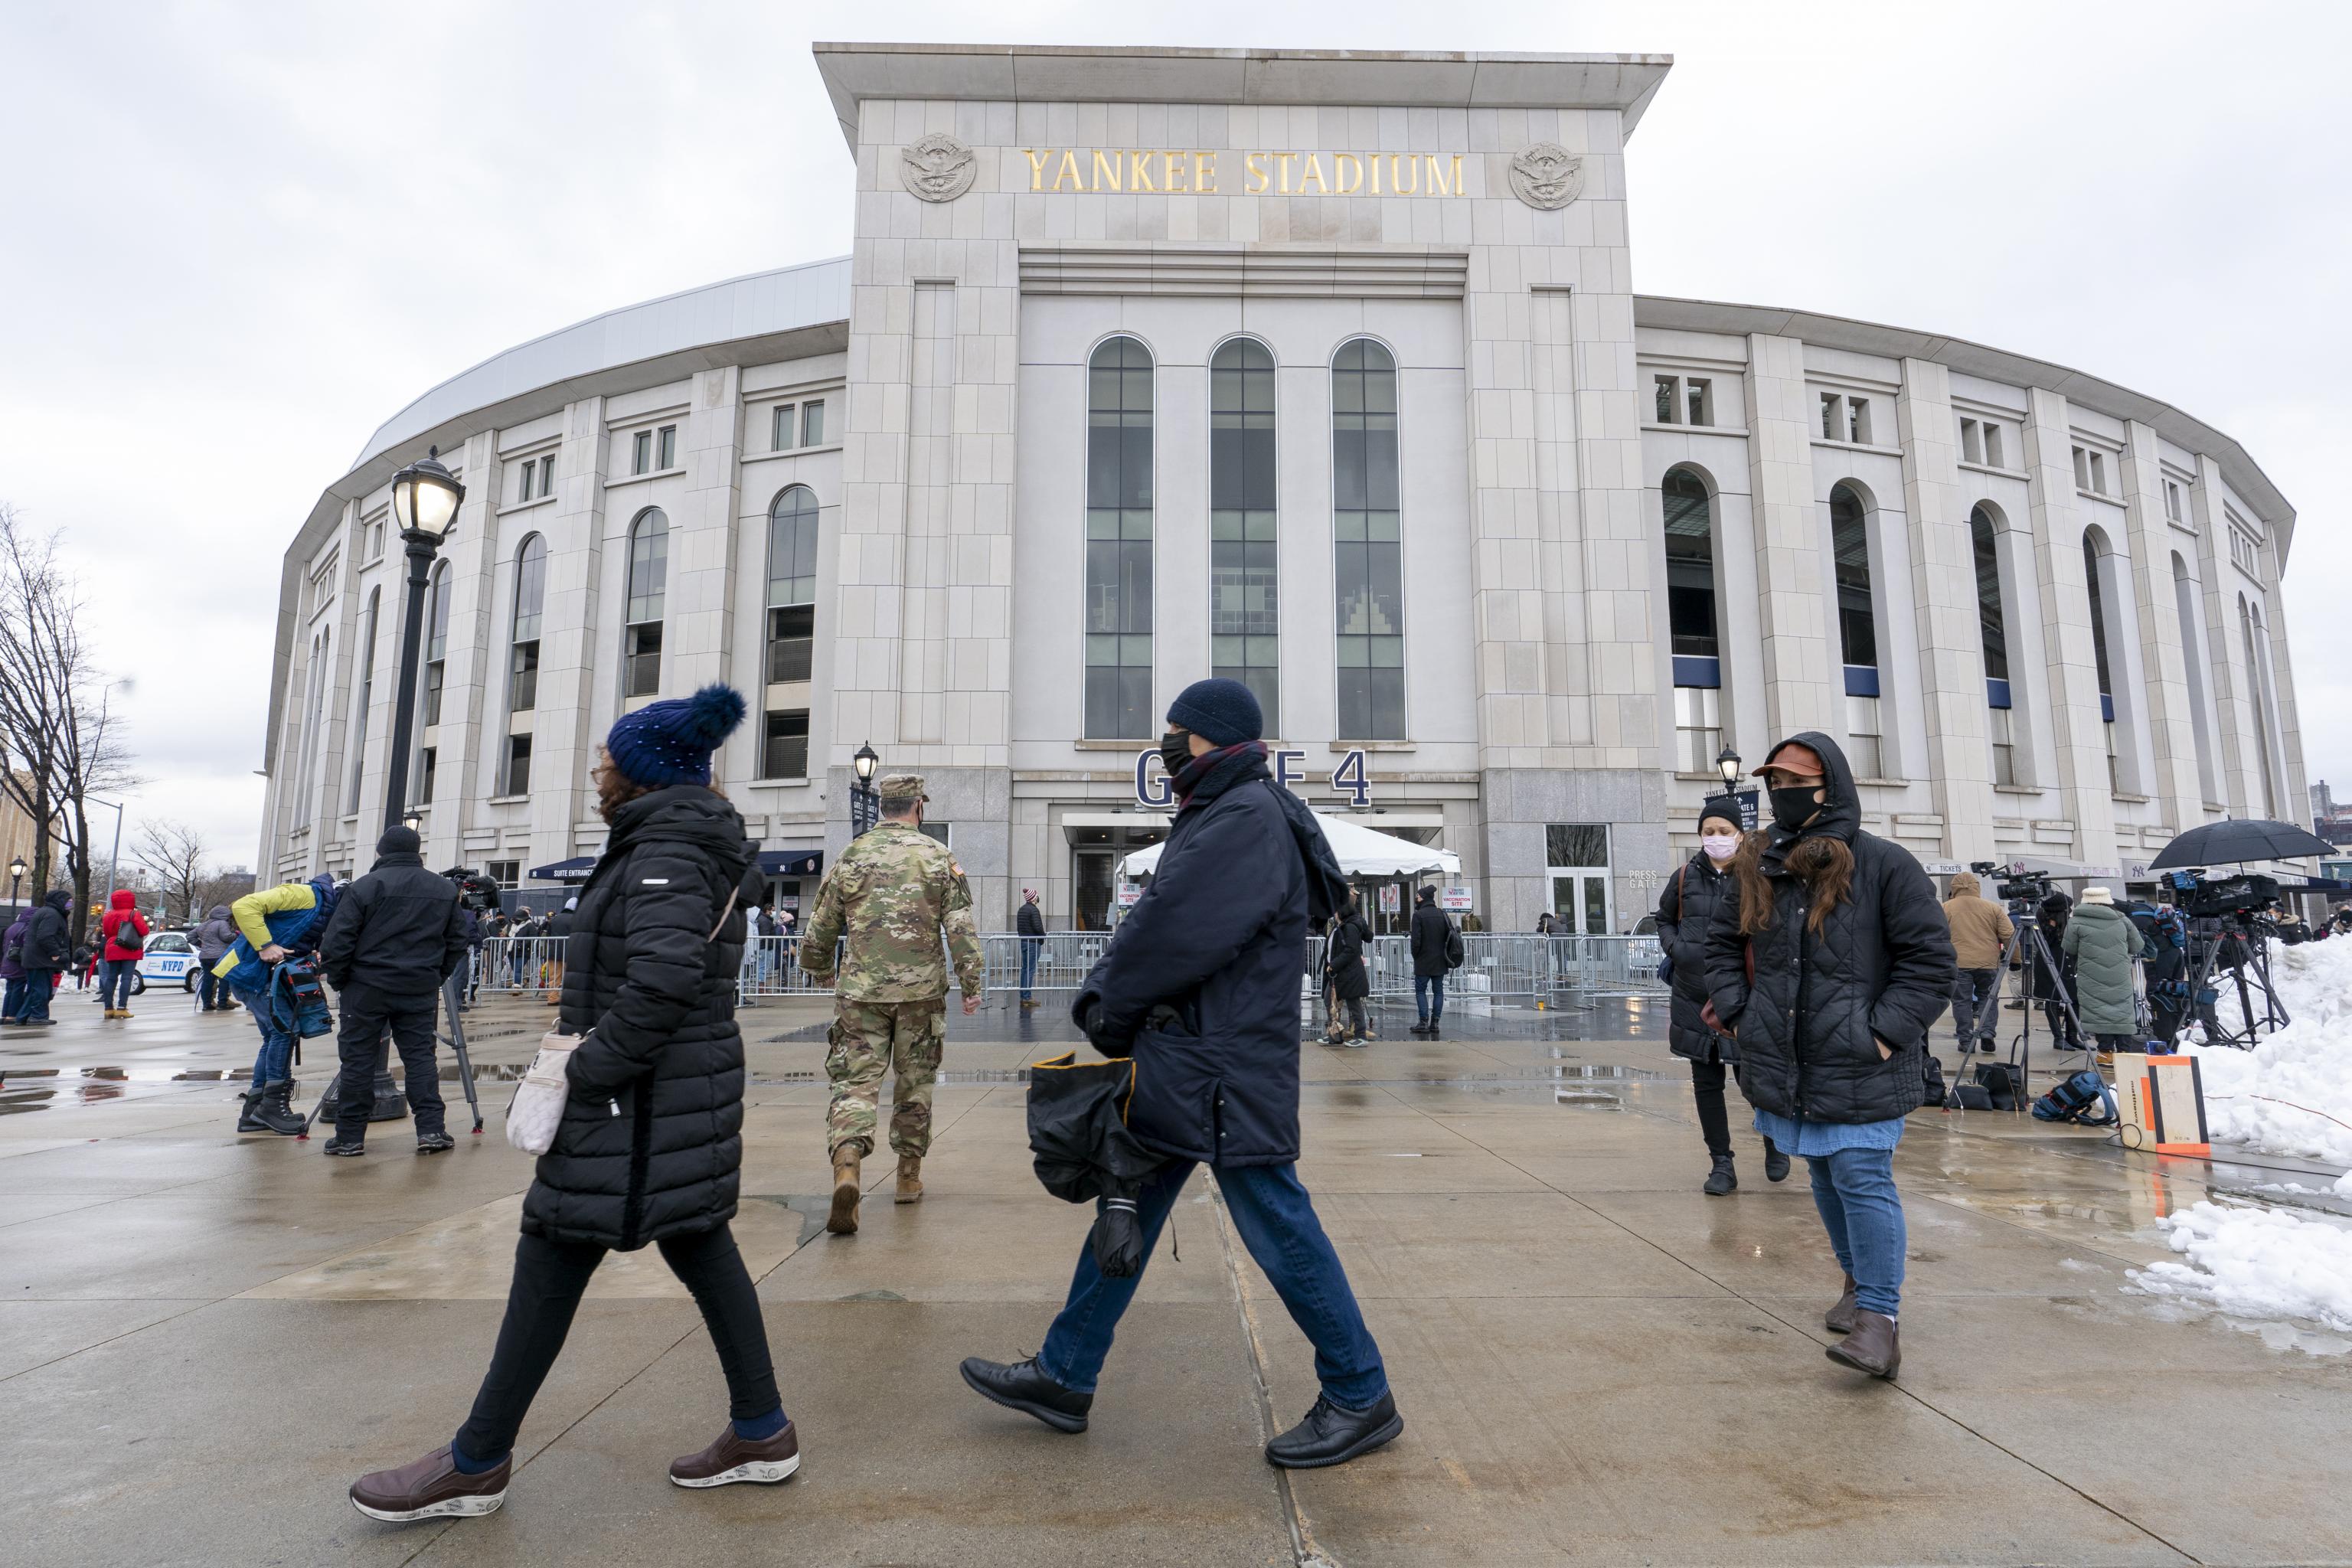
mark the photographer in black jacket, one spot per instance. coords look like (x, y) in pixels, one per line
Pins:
(395, 935)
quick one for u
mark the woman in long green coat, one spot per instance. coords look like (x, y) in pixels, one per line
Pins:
(2101, 942)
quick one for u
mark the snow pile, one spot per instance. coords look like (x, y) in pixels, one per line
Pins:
(2256, 1263)
(2280, 1097)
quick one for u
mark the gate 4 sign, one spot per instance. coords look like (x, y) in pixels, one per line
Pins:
(1154, 792)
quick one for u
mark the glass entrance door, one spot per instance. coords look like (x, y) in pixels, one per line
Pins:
(1581, 897)
(1090, 880)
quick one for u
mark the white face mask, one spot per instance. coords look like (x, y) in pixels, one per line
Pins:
(1719, 847)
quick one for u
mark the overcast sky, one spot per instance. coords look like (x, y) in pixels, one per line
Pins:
(239, 237)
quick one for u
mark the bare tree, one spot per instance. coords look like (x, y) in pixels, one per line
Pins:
(61, 740)
(174, 854)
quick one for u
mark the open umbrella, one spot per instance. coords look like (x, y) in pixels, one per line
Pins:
(2229, 843)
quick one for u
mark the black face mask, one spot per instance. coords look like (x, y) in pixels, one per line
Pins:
(1792, 808)
(1175, 751)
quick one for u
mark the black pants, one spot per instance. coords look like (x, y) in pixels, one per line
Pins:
(366, 1012)
(1714, 1120)
(549, 1279)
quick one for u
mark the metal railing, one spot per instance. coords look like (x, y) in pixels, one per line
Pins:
(1495, 965)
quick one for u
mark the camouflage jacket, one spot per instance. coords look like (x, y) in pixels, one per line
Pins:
(894, 890)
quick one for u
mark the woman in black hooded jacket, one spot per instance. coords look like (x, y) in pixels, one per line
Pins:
(1348, 976)
(651, 1139)
(1828, 958)
(1685, 907)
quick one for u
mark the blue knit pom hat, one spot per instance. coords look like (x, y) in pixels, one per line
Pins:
(1222, 713)
(670, 742)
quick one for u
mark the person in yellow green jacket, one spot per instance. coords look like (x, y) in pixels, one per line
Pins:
(272, 924)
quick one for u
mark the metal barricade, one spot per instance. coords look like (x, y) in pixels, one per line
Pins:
(772, 967)
(522, 965)
(1057, 961)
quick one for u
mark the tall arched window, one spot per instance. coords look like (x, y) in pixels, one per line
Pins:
(2095, 547)
(2250, 626)
(436, 654)
(1119, 542)
(1691, 621)
(1367, 542)
(2192, 660)
(523, 663)
(792, 632)
(641, 644)
(364, 698)
(1243, 644)
(1992, 636)
(1857, 630)
(314, 717)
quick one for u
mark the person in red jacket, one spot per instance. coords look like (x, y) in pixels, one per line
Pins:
(125, 930)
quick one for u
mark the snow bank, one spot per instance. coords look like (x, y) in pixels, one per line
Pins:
(2303, 1074)
(2257, 1263)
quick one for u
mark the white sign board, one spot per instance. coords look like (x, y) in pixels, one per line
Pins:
(1392, 898)
(1128, 892)
(1454, 901)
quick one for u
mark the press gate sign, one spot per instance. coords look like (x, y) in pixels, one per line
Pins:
(1154, 792)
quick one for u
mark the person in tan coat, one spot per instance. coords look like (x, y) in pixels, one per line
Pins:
(1980, 933)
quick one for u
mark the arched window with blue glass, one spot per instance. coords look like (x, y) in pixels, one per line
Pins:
(1244, 623)
(1857, 615)
(1118, 543)
(645, 591)
(1368, 542)
(1692, 624)
(791, 633)
(2095, 551)
(1992, 637)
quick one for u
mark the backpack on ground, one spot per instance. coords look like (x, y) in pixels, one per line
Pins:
(1994, 1088)
(2081, 1099)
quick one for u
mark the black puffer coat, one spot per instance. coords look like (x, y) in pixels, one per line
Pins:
(1344, 969)
(651, 1137)
(1881, 970)
(1684, 908)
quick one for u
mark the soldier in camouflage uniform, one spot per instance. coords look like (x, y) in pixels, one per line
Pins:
(895, 891)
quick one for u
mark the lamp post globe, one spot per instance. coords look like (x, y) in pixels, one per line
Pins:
(1726, 763)
(15, 875)
(425, 500)
(864, 762)
(863, 808)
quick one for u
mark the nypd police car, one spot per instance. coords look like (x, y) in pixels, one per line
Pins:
(167, 958)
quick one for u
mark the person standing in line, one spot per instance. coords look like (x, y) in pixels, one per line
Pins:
(1201, 987)
(896, 892)
(1981, 933)
(396, 936)
(1029, 922)
(2101, 943)
(1347, 977)
(86, 960)
(123, 932)
(1828, 961)
(1437, 953)
(650, 1148)
(557, 931)
(273, 924)
(48, 947)
(12, 967)
(212, 939)
(1686, 907)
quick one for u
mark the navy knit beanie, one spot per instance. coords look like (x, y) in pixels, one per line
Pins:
(670, 742)
(398, 839)
(1222, 713)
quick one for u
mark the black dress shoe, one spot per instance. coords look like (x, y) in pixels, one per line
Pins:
(1023, 1385)
(1333, 1435)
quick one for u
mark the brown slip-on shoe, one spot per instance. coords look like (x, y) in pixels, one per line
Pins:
(733, 1458)
(911, 1179)
(430, 1489)
(846, 1186)
(1839, 1319)
(1874, 1347)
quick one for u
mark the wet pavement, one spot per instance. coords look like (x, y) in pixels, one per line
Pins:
(203, 1338)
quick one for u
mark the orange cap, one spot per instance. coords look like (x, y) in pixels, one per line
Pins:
(1793, 758)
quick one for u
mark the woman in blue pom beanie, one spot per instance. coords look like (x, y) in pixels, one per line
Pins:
(652, 1138)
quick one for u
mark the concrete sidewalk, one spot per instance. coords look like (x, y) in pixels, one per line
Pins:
(204, 1339)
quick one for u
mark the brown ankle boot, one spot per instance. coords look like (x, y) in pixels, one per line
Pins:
(911, 1179)
(1839, 1319)
(1874, 1346)
(847, 1187)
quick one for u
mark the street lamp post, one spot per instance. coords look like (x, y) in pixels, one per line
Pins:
(114, 860)
(1726, 763)
(863, 808)
(16, 875)
(424, 497)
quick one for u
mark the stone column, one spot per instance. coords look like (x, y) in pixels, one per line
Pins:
(1803, 685)
(563, 740)
(1944, 596)
(460, 768)
(2226, 641)
(2163, 641)
(700, 605)
(2073, 675)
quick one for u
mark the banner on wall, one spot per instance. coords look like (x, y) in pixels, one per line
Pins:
(1392, 898)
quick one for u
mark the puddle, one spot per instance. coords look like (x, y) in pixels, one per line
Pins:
(25, 1100)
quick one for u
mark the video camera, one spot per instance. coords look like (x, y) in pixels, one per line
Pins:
(476, 890)
(2237, 897)
(2024, 888)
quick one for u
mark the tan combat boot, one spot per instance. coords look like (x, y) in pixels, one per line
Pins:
(911, 1179)
(846, 1186)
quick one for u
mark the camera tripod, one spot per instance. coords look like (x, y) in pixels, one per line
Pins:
(2026, 942)
(453, 991)
(2240, 950)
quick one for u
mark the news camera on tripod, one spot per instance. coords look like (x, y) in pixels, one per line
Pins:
(2231, 923)
(2037, 917)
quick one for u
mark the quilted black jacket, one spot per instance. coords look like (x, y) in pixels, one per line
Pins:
(1881, 970)
(1684, 908)
(651, 1137)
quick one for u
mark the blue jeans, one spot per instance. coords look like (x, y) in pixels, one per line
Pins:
(275, 1064)
(212, 990)
(114, 980)
(38, 985)
(1971, 1015)
(12, 1007)
(1030, 950)
(1429, 997)
(1855, 1189)
(1277, 1224)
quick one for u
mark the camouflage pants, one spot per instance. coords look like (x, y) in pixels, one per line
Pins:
(870, 1038)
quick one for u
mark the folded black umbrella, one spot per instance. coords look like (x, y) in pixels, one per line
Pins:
(2229, 843)
(1081, 1151)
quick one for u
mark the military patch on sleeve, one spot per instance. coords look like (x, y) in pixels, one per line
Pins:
(954, 867)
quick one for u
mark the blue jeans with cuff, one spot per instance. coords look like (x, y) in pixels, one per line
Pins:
(1429, 997)
(1276, 1222)
(275, 1063)
(1031, 948)
(114, 980)
(1854, 1190)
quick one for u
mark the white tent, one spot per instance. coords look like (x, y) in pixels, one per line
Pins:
(1361, 851)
